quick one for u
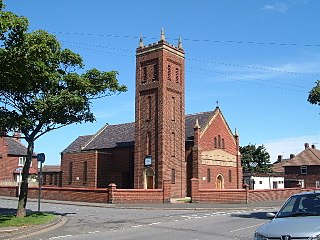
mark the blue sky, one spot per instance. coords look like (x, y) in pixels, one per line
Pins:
(259, 59)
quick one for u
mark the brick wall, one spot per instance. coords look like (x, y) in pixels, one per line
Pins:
(76, 179)
(294, 173)
(241, 195)
(102, 195)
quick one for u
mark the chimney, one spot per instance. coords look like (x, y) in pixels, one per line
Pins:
(279, 158)
(292, 155)
(17, 136)
(306, 145)
(313, 146)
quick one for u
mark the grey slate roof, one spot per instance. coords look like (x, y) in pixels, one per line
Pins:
(15, 147)
(308, 157)
(122, 135)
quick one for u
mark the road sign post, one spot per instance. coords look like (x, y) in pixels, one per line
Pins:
(40, 158)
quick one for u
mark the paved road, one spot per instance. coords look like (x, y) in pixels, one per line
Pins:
(88, 222)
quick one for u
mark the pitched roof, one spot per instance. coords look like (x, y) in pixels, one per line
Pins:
(51, 168)
(15, 147)
(277, 167)
(122, 135)
(308, 157)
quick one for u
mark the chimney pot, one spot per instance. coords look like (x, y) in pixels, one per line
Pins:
(279, 158)
(292, 155)
(306, 145)
(313, 146)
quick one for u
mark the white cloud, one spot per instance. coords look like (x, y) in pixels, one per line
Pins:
(288, 146)
(276, 7)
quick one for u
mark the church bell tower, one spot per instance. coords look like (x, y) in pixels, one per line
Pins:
(160, 117)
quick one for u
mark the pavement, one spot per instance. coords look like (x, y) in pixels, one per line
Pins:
(20, 232)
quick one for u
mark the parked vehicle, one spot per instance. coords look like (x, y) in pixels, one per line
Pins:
(298, 218)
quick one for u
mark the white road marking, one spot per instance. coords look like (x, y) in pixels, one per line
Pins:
(240, 229)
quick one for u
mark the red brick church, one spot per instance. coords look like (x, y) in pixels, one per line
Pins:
(163, 142)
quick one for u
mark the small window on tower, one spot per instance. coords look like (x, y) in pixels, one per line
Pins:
(177, 75)
(173, 176)
(173, 144)
(219, 141)
(155, 72)
(169, 72)
(149, 108)
(148, 143)
(173, 108)
(144, 75)
(215, 142)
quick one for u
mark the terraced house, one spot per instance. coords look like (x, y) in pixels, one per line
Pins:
(163, 143)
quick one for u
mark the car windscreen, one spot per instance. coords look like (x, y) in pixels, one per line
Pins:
(301, 205)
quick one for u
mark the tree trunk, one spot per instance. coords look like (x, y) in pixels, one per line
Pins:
(23, 197)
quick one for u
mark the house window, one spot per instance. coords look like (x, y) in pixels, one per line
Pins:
(208, 175)
(169, 73)
(260, 182)
(215, 142)
(304, 170)
(173, 176)
(230, 175)
(22, 161)
(85, 172)
(155, 72)
(70, 172)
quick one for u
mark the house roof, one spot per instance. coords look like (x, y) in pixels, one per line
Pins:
(308, 157)
(122, 135)
(278, 167)
(15, 147)
(51, 168)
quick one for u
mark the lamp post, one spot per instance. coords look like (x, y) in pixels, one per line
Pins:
(40, 158)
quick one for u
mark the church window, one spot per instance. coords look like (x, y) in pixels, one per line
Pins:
(230, 176)
(173, 144)
(215, 142)
(222, 143)
(177, 75)
(219, 141)
(169, 72)
(173, 176)
(70, 172)
(148, 143)
(85, 172)
(149, 112)
(155, 72)
(208, 175)
(144, 75)
(173, 108)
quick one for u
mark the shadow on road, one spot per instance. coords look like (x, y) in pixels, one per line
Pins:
(256, 215)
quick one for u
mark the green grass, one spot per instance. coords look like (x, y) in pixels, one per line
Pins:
(30, 219)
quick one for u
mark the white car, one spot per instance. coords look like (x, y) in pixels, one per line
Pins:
(298, 218)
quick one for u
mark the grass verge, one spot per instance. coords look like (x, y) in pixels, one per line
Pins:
(30, 219)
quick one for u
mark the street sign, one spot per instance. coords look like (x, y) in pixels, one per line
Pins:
(41, 157)
(19, 169)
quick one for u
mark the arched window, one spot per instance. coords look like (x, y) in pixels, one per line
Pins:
(219, 141)
(215, 142)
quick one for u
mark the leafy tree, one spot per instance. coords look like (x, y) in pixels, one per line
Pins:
(41, 89)
(255, 159)
(314, 94)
